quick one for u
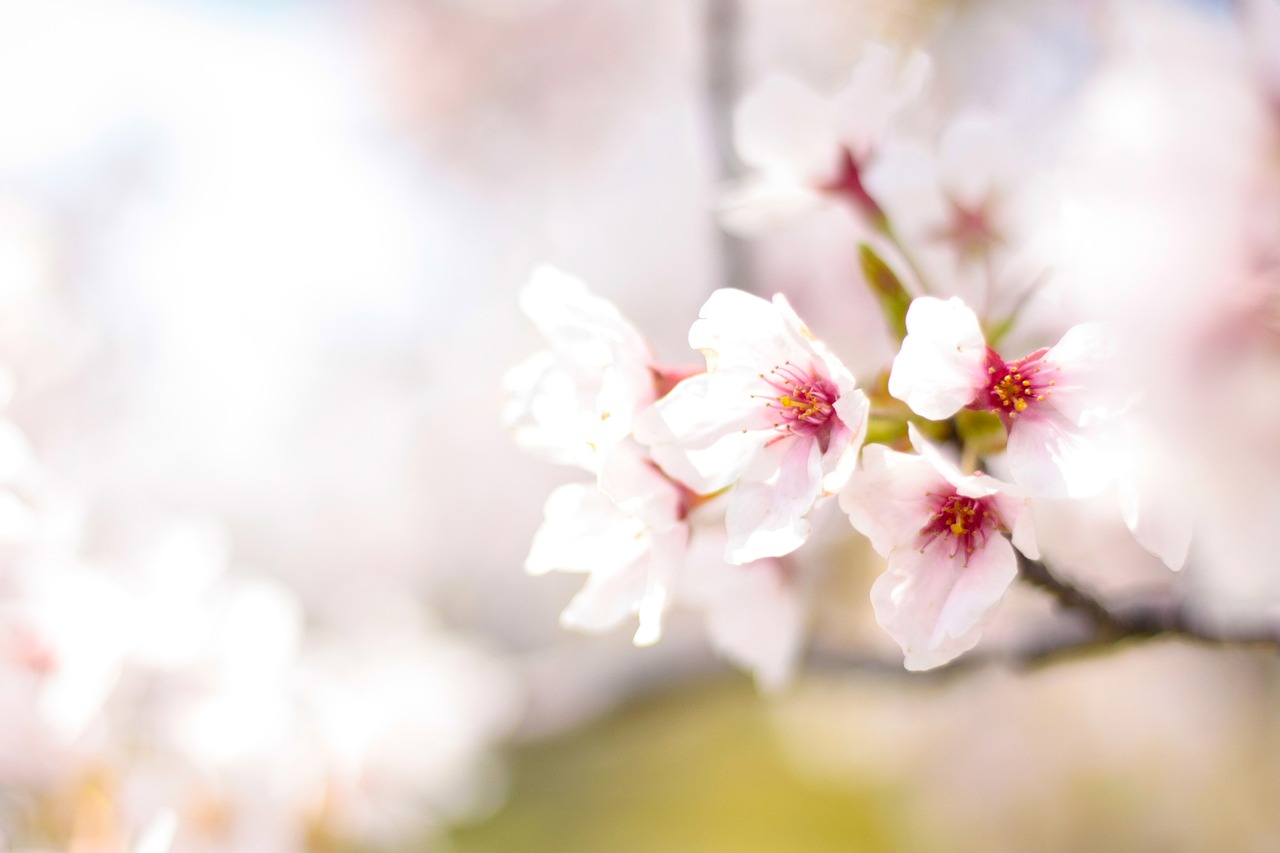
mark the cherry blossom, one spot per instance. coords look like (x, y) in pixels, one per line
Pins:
(943, 534)
(808, 150)
(650, 545)
(576, 401)
(1048, 400)
(776, 416)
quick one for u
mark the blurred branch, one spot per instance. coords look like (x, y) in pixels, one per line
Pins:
(1106, 627)
(723, 25)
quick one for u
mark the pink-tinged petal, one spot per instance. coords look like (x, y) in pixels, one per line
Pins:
(980, 587)
(759, 205)
(635, 485)
(887, 500)
(571, 317)
(970, 485)
(575, 401)
(841, 456)
(934, 605)
(736, 330)
(882, 84)
(1083, 365)
(706, 431)
(785, 128)
(840, 459)
(1051, 456)
(942, 364)
(1157, 513)
(766, 516)
(666, 562)
(754, 617)
(607, 599)
(548, 412)
(1014, 510)
(585, 532)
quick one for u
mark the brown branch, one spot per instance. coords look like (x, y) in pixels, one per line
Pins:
(1103, 628)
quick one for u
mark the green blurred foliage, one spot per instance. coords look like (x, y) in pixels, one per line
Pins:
(689, 771)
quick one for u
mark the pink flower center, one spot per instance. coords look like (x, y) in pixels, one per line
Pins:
(962, 524)
(847, 185)
(30, 651)
(1013, 387)
(801, 400)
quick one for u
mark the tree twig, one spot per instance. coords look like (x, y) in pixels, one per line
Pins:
(1106, 627)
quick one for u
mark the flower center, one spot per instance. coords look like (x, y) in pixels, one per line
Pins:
(800, 400)
(962, 524)
(1014, 387)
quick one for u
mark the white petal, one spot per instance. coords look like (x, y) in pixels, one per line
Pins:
(841, 456)
(1015, 511)
(706, 431)
(767, 510)
(934, 605)
(607, 598)
(760, 204)
(888, 498)
(577, 400)
(569, 315)
(1158, 513)
(755, 618)
(882, 84)
(941, 365)
(970, 485)
(640, 587)
(585, 532)
(738, 330)
(1052, 457)
(1083, 358)
(784, 127)
(628, 477)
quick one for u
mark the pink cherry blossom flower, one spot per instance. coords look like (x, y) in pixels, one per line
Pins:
(943, 534)
(808, 150)
(776, 416)
(1049, 400)
(647, 546)
(576, 401)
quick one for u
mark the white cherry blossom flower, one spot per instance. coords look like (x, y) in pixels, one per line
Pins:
(1049, 401)
(943, 534)
(808, 150)
(645, 549)
(576, 401)
(776, 416)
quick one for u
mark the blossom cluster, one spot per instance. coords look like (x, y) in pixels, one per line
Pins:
(708, 478)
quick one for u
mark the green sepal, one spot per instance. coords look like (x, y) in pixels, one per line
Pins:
(892, 296)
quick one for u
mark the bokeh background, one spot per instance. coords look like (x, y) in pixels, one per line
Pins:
(262, 529)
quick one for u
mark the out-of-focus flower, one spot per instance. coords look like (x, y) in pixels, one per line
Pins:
(576, 401)
(64, 634)
(776, 416)
(405, 721)
(975, 214)
(942, 532)
(1047, 400)
(808, 149)
(650, 545)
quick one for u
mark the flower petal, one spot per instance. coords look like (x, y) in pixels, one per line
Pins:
(887, 500)
(941, 365)
(1051, 456)
(766, 516)
(706, 431)
(784, 127)
(934, 605)
(585, 532)
(754, 615)
(1082, 358)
